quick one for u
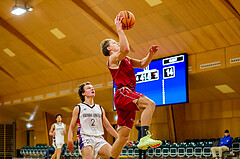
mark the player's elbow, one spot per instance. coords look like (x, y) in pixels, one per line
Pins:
(125, 50)
(143, 65)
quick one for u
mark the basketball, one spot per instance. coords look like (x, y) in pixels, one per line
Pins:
(128, 20)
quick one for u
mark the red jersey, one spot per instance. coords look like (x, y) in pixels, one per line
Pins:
(123, 75)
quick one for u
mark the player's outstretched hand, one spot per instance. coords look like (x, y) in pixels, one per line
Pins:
(153, 49)
(118, 22)
(70, 146)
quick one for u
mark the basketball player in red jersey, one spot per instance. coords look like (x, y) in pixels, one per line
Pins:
(126, 100)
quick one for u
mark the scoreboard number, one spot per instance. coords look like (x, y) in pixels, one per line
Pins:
(168, 72)
(147, 75)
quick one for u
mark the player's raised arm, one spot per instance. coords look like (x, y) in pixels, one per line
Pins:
(108, 126)
(124, 45)
(146, 60)
(123, 42)
(71, 128)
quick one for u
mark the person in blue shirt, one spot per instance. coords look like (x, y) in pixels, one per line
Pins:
(224, 145)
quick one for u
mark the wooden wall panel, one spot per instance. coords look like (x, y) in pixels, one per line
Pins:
(160, 131)
(49, 119)
(179, 118)
(236, 108)
(209, 57)
(227, 108)
(21, 135)
(4, 117)
(160, 115)
(216, 110)
(207, 120)
(206, 111)
(38, 94)
(231, 53)
(39, 131)
(76, 83)
(53, 90)
(192, 111)
(227, 124)
(192, 63)
(65, 88)
(235, 127)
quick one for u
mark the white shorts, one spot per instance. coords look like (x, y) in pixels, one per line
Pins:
(57, 145)
(96, 142)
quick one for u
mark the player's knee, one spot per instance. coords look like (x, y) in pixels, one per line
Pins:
(151, 104)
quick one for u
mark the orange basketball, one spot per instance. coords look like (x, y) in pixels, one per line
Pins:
(128, 20)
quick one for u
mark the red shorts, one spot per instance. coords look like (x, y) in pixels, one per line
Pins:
(126, 108)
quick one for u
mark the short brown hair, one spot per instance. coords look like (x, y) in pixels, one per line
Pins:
(81, 90)
(104, 44)
(58, 115)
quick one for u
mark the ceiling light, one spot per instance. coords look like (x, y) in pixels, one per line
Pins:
(224, 88)
(30, 9)
(9, 52)
(153, 3)
(57, 33)
(17, 10)
(66, 109)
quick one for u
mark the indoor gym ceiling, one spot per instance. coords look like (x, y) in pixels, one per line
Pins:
(197, 27)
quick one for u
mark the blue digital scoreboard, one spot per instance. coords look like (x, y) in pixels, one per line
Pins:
(165, 81)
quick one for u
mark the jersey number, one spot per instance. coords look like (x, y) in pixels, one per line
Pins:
(93, 122)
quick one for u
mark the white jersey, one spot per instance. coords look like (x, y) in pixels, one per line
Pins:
(59, 136)
(90, 120)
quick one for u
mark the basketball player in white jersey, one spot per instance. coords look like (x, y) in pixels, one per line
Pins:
(58, 130)
(91, 119)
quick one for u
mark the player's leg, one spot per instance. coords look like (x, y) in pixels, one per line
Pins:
(87, 152)
(59, 151)
(105, 151)
(148, 107)
(123, 135)
(54, 155)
